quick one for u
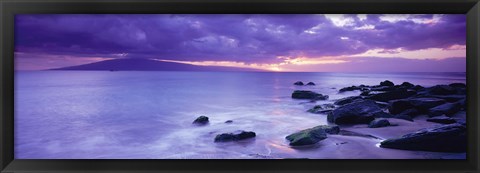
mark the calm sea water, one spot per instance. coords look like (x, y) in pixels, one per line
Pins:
(96, 114)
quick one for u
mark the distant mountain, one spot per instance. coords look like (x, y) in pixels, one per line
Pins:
(134, 64)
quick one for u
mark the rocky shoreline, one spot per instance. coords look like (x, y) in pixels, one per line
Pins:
(378, 107)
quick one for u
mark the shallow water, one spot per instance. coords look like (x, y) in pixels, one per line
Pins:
(98, 114)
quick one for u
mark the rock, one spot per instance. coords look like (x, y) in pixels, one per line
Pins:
(298, 83)
(445, 138)
(392, 95)
(410, 112)
(421, 104)
(379, 123)
(229, 121)
(201, 120)
(360, 112)
(365, 93)
(235, 136)
(350, 88)
(450, 98)
(463, 104)
(418, 87)
(309, 136)
(322, 109)
(407, 85)
(383, 88)
(351, 133)
(381, 114)
(445, 109)
(310, 83)
(302, 94)
(403, 117)
(386, 83)
(347, 100)
(441, 90)
(442, 120)
(458, 85)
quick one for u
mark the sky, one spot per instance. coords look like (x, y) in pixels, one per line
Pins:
(274, 42)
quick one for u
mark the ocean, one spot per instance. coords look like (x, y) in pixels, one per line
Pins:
(149, 114)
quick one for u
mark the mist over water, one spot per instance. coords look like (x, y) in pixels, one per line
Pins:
(142, 115)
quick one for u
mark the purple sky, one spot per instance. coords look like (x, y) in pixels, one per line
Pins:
(381, 43)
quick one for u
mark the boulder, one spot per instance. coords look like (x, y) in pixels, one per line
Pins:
(383, 88)
(322, 109)
(442, 120)
(201, 120)
(234, 136)
(229, 121)
(350, 88)
(398, 106)
(418, 88)
(392, 95)
(365, 93)
(381, 114)
(386, 83)
(410, 112)
(312, 135)
(450, 98)
(458, 85)
(445, 138)
(407, 85)
(310, 83)
(445, 109)
(379, 123)
(360, 112)
(441, 90)
(421, 104)
(302, 94)
(347, 100)
(300, 83)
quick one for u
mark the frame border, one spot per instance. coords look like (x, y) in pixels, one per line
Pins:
(8, 9)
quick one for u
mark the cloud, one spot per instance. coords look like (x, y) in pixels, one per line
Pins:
(245, 38)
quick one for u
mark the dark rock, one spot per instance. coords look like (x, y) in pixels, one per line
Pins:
(347, 100)
(350, 88)
(392, 95)
(381, 114)
(403, 117)
(360, 112)
(383, 88)
(235, 136)
(463, 104)
(201, 120)
(386, 83)
(298, 83)
(350, 133)
(379, 123)
(450, 98)
(407, 85)
(442, 120)
(302, 94)
(310, 83)
(421, 104)
(441, 90)
(310, 136)
(229, 121)
(458, 85)
(410, 112)
(447, 109)
(322, 109)
(445, 138)
(418, 87)
(365, 93)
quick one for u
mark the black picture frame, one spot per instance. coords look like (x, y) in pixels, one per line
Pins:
(8, 8)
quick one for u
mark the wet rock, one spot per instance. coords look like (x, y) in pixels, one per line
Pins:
(407, 85)
(360, 112)
(350, 88)
(421, 104)
(442, 120)
(410, 112)
(322, 109)
(418, 87)
(347, 100)
(445, 138)
(381, 114)
(383, 88)
(300, 83)
(311, 136)
(392, 95)
(398, 106)
(351, 133)
(235, 136)
(302, 94)
(365, 93)
(229, 121)
(458, 85)
(201, 120)
(441, 90)
(379, 123)
(445, 109)
(386, 83)
(450, 98)
(310, 83)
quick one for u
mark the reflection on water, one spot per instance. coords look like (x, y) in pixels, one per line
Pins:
(87, 114)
